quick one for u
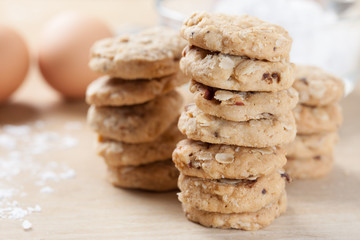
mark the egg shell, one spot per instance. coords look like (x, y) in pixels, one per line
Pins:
(14, 61)
(64, 49)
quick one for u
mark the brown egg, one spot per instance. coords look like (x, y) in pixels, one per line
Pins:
(64, 51)
(14, 61)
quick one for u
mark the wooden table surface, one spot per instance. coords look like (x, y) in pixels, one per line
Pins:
(87, 207)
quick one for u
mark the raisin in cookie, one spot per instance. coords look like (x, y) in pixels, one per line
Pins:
(108, 91)
(310, 120)
(230, 195)
(234, 72)
(237, 35)
(243, 106)
(312, 167)
(152, 53)
(307, 146)
(117, 154)
(245, 221)
(265, 132)
(317, 87)
(158, 176)
(137, 123)
(216, 161)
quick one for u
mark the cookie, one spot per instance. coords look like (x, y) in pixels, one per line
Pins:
(307, 146)
(158, 176)
(117, 154)
(265, 132)
(230, 195)
(310, 120)
(245, 221)
(317, 87)
(243, 106)
(237, 35)
(138, 123)
(308, 168)
(108, 91)
(152, 53)
(216, 161)
(236, 73)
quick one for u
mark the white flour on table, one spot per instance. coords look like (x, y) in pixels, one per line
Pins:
(21, 147)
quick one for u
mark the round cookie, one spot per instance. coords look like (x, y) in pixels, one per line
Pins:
(237, 35)
(309, 168)
(158, 176)
(117, 154)
(244, 221)
(317, 87)
(216, 161)
(230, 195)
(108, 91)
(307, 146)
(236, 73)
(310, 120)
(259, 133)
(137, 123)
(243, 106)
(152, 53)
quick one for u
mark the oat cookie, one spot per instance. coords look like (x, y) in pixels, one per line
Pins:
(157, 176)
(234, 72)
(307, 146)
(243, 106)
(244, 221)
(152, 53)
(310, 120)
(313, 167)
(237, 35)
(137, 123)
(230, 195)
(265, 132)
(117, 154)
(216, 161)
(108, 91)
(317, 87)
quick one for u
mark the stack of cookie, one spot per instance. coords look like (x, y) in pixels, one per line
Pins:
(231, 172)
(135, 109)
(318, 117)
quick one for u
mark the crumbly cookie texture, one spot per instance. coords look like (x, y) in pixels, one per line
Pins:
(265, 132)
(158, 176)
(310, 120)
(117, 154)
(245, 221)
(243, 106)
(317, 87)
(236, 73)
(308, 146)
(108, 91)
(237, 35)
(230, 195)
(217, 161)
(152, 53)
(137, 123)
(309, 168)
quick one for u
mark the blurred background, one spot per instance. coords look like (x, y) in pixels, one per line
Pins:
(326, 33)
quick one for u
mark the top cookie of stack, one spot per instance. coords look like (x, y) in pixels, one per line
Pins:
(235, 86)
(135, 106)
(231, 165)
